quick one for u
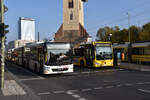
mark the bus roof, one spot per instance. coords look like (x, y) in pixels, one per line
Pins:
(42, 43)
(95, 42)
(120, 45)
(145, 44)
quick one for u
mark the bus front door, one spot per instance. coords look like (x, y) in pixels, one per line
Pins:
(89, 57)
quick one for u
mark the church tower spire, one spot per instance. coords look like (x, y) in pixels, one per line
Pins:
(73, 21)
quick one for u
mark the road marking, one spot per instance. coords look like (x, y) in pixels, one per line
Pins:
(57, 92)
(46, 93)
(108, 87)
(31, 79)
(146, 91)
(121, 69)
(69, 92)
(76, 96)
(98, 88)
(108, 81)
(82, 99)
(73, 90)
(74, 73)
(139, 83)
(110, 70)
(118, 85)
(85, 72)
(128, 84)
(77, 76)
(84, 90)
(147, 82)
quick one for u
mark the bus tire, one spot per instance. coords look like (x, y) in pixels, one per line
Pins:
(81, 63)
(35, 68)
(41, 71)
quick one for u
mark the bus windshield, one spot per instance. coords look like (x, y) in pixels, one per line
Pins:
(58, 56)
(103, 52)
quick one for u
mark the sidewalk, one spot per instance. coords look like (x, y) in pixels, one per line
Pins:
(135, 67)
(15, 90)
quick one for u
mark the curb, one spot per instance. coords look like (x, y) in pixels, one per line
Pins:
(137, 68)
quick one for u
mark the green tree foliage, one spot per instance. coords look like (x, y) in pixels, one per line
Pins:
(116, 34)
(134, 33)
(145, 33)
(103, 34)
(121, 36)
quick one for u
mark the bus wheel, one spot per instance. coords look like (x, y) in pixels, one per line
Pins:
(81, 63)
(40, 70)
(35, 68)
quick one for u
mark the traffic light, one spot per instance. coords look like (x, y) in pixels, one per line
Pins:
(3, 28)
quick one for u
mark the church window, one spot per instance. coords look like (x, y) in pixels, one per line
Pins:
(71, 16)
(70, 4)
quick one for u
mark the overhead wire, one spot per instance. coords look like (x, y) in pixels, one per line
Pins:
(130, 9)
(123, 25)
(122, 19)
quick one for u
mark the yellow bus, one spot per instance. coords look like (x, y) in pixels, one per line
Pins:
(94, 54)
(121, 49)
(141, 52)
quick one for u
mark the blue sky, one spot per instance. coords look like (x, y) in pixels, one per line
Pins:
(97, 13)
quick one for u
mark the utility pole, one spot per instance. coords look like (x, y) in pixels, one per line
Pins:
(129, 45)
(2, 68)
(38, 36)
(129, 27)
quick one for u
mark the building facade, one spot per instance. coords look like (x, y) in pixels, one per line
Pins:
(72, 28)
(26, 29)
(18, 43)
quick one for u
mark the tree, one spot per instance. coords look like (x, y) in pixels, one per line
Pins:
(134, 33)
(116, 28)
(124, 34)
(104, 33)
(101, 34)
(121, 36)
(145, 33)
(115, 34)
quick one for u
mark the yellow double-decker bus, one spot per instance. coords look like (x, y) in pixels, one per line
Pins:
(94, 54)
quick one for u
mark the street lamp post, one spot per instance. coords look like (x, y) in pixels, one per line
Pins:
(129, 46)
(2, 45)
(38, 36)
(129, 27)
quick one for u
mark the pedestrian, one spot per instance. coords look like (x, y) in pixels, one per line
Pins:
(122, 56)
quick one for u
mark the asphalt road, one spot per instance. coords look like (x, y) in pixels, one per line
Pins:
(87, 84)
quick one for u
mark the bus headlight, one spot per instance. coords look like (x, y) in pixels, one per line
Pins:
(46, 68)
(111, 62)
(97, 64)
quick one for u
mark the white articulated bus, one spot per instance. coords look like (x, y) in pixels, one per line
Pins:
(46, 57)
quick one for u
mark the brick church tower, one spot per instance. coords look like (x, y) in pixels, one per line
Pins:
(72, 28)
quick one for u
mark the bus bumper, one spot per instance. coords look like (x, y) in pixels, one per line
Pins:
(58, 69)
